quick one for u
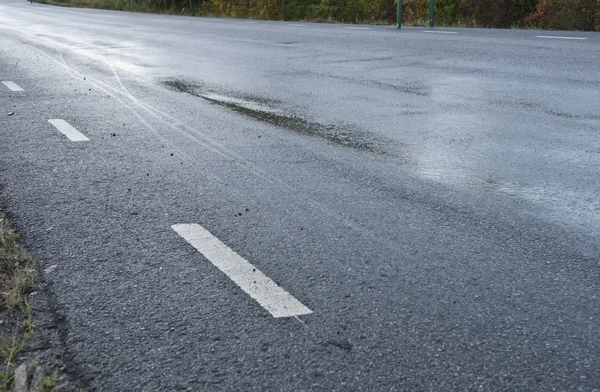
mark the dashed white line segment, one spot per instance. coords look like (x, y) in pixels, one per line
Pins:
(68, 130)
(257, 285)
(12, 86)
(439, 32)
(558, 37)
(359, 28)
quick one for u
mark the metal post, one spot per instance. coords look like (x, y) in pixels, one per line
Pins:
(431, 12)
(399, 14)
(131, 5)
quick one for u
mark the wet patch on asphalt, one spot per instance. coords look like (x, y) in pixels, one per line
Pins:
(532, 106)
(268, 111)
(367, 60)
(406, 88)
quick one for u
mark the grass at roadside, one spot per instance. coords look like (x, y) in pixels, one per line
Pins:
(101, 4)
(17, 270)
(18, 326)
(17, 277)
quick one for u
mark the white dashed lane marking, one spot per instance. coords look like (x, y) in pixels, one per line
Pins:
(66, 129)
(439, 32)
(359, 28)
(257, 285)
(12, 86)
(557, 37)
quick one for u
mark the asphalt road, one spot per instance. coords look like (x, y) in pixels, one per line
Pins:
(429, 200)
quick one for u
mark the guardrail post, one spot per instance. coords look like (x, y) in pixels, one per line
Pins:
(431, 12)
(399, 14)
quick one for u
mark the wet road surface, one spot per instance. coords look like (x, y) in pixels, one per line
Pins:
(250, 205)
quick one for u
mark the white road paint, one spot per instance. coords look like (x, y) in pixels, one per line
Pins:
(297, 25)
(557, 37)
(359, 28)
(12, 86)
(257, 285)
(67, 129)
(439, 32)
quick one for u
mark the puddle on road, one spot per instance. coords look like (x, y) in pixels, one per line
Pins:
(266, 111)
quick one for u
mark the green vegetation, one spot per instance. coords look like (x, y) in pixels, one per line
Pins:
(18, 326)
(546, 14)
(17, 271)
(17, 276)
(102, 4)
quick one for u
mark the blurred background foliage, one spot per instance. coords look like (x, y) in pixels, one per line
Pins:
(542, 14)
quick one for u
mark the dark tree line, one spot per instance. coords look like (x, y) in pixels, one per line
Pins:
(547, 14)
